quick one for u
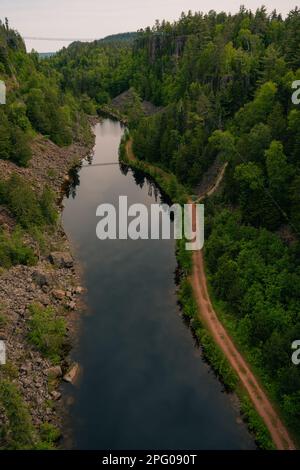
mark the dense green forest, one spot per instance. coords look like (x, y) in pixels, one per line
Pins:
(35, 105)
(35, 101)
(226, 84)
(223, 85)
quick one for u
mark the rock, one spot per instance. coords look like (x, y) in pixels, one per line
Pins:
(72, 373)
(3, 335)
(40, 278)
(71, 305)
(25, 368)
(55, 395)
(58, 294)
(45, 301)
(79, 290)
(54, 372)
(61, 259)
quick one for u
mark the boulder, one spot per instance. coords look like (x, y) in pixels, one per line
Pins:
(40, 278)
(71, 305)
(55, 395)
(79, 290)
(72, 373)
(61, 259)
(54, 372)
(58, 294)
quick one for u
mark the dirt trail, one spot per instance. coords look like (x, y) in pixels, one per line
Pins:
(258, 397)
(207, 314)
(216, 184)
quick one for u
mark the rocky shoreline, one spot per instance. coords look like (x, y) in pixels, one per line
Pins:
(54, 282)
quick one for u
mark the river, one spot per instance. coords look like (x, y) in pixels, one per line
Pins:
(144, 384)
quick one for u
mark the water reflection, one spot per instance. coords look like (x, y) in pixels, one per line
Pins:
(144, 384)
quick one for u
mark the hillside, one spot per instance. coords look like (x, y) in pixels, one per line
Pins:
(35, 321)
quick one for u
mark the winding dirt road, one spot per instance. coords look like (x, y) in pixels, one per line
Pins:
(257, 395)
(209, 318)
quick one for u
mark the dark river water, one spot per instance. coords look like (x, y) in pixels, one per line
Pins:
(144, 384)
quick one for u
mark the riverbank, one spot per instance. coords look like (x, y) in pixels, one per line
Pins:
(134, 347)
(256, 408)
(34, 301)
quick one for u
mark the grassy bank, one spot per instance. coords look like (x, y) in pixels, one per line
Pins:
(166, 181)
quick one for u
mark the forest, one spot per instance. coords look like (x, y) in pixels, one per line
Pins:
(223, 86)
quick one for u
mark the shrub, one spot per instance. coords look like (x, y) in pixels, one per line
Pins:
(17, 432)
(20, 150)
(47, 332)
(22, 201)
(49, 435)
(13, 251)
(29, 209)
(47, 204)
(184, 257)
(256, 425)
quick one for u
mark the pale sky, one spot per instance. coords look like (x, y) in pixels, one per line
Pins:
(98, 18)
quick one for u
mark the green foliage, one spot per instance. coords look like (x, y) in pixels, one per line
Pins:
(224, 84)
(14, 142)
(94, 72)
(256, 275)
(29, 209)
(35, 101)
(256, 425)
(47, 332)
(228, 98)
(217, 359)
(184, 257)
(47, 205)
(18, 432)
(13, 251)
(49, 435)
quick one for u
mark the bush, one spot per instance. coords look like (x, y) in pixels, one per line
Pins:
(47, 204)
(14, 142)
(256, 425)
(20, 150)
(21, 200)
(49, 435)
(47, 332)
(184, 257)
(13, 251)
(27, 207)
(217, 359)
(17, 433)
